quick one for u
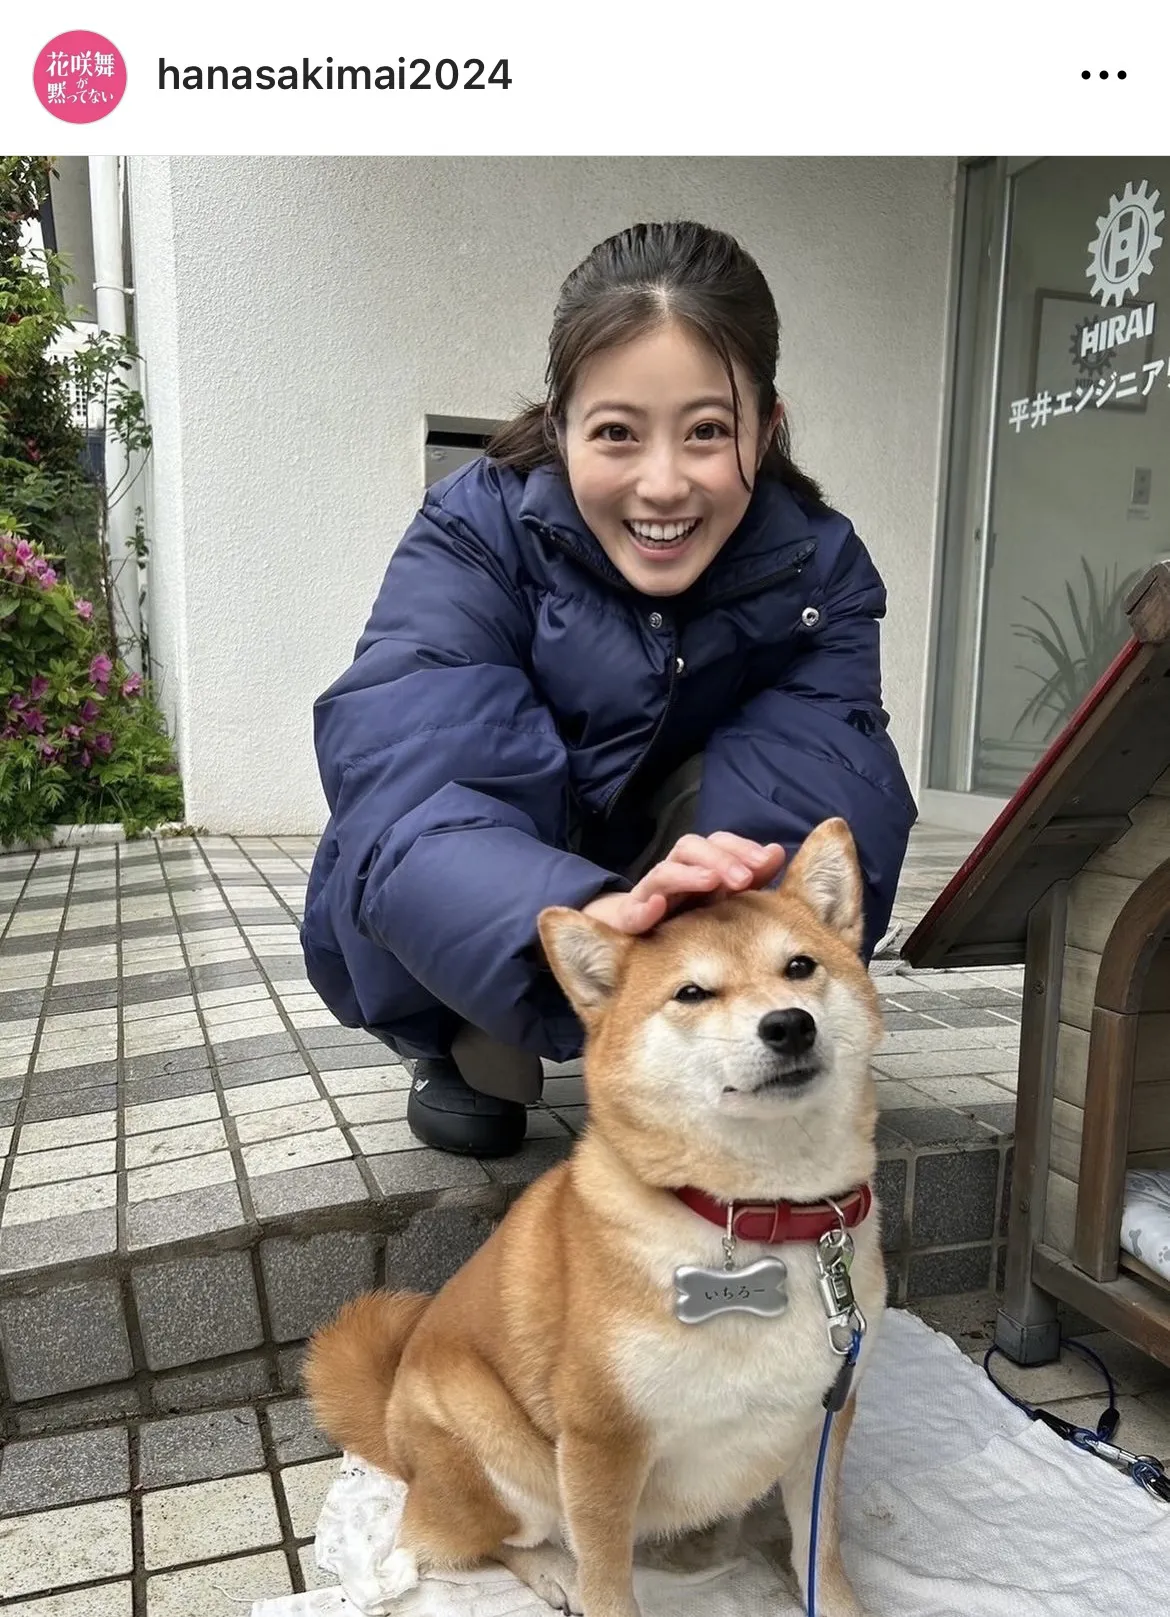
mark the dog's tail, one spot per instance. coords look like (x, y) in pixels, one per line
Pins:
(350, 1368)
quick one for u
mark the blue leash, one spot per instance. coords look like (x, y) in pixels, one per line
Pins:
(834, 1400)
(1144, 1469)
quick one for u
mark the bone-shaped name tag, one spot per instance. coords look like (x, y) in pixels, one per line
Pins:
(761, 1288)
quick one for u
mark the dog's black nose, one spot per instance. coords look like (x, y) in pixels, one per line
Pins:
(789, 1033)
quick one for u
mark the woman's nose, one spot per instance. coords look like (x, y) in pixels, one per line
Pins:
(661, 478)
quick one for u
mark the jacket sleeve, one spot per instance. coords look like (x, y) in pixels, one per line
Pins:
(814, 743)
(448, 787)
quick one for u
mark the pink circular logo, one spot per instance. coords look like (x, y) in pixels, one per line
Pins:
(79, 77)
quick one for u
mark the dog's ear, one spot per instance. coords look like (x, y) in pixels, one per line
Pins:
(585, 955)
(825, 873)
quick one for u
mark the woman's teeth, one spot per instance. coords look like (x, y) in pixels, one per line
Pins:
(661, 533)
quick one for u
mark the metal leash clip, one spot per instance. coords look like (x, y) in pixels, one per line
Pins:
(834, 1257)
(1144, 1469)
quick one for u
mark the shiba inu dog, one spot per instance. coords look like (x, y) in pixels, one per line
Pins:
(589, 1379)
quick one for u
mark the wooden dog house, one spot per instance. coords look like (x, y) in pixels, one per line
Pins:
(1073, 879)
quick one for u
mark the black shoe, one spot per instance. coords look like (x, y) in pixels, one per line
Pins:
(445, 1112)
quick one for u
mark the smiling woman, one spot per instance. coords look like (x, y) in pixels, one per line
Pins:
(655, 442)
(623, 664)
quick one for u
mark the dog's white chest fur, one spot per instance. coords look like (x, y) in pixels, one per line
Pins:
(727, 1403)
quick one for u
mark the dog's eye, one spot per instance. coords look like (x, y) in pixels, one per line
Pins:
(801, 965)
(691, 994)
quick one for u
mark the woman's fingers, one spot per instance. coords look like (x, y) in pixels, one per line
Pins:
(738, 862)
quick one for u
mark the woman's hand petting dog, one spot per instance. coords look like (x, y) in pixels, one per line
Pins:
(697, 870)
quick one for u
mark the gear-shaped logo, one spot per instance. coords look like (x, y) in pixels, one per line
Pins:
(1123, 249)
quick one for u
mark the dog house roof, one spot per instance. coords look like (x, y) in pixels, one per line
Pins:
(1077, 799)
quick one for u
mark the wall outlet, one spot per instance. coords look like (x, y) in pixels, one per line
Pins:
(1141, 486)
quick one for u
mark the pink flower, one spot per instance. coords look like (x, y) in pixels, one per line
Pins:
(47, 751)
(84, 609)
(48, 579)
(23, 550)
(38, 687)
(89, 711)
(85, 760)
(73, 731)
(132, 685)
(34, 719)
(104, 744)
(100, 670)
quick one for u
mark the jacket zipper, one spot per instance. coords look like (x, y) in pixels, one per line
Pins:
(675, 671)
(676, 663)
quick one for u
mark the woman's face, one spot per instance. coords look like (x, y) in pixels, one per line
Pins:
(649, 443)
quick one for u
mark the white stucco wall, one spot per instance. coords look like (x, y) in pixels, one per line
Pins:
(300, 316)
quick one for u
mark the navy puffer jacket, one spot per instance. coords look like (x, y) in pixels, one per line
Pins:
(512, 692)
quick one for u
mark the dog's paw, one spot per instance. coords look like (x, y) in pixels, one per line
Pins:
(550, 1572)
(398, 1574)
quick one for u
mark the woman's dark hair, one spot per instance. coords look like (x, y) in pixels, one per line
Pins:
(629, 285)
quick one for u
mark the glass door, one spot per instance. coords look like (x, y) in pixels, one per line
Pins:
(1064, 498)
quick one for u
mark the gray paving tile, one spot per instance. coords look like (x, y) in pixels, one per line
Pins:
(932, 1274)
(64, 1339)
(266, 1044)
(41, 1472)
(70, 1103)
(27, 943)
(195, 1448)
(401, 1172)
(954, 1197)
(242, 1379)
(170, 1086)
(890, 1185)
(334, 1036)
(64, 996)
(156, 985)
(290, 1362)
(197, 1308)
(933, 1125)
(435, 1242)
(339, 1057)
(56, 1081)
(283, 966)
(533, 1159)
(8, 1111)
(58, 1240)
(21, 1004)
(966, 1016)
(999, 1115)
(294, 1434)
(229, 974)
(11, 1088)
(165, 1063)
(178, 1218)
(323, 1184)
(307, 1278)
(260, 1069)
(115, 1404)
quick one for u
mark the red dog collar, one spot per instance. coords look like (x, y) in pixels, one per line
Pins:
(773, 1223)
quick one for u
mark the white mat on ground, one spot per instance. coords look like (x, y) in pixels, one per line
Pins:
(955, 1505)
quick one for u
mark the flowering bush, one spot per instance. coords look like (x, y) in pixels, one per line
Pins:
(81, 740)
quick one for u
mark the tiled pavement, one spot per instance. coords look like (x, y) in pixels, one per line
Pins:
(199, 1164)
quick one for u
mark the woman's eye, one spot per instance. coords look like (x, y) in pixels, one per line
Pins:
(691, 994)
(801, 965)
(613, 432)
(711, 431)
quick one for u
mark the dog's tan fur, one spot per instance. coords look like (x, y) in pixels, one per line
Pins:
(547, 1400)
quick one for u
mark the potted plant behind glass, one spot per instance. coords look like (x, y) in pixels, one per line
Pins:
(1076, 661)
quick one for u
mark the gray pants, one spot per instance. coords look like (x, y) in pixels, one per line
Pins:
(502, 1070)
